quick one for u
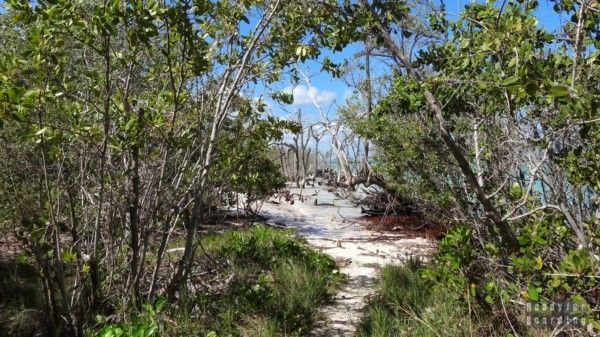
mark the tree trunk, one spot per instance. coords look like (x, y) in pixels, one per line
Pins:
(493, 214)
(369, 97)
(134, 211)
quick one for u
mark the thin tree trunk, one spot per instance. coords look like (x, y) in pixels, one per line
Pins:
(316, 156)
(94, 265)
(134, 209)
(493, 214)
(369, 95)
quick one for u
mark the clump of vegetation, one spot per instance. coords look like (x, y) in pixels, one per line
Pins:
(21, 299)
(412, 300)
(262, 282)
(458, 295)
(409, 305)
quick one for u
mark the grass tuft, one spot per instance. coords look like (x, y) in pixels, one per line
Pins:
(276, 282)
(406, 304)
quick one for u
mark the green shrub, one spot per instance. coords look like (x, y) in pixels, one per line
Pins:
(273, 284)
(279, 281)
(410, 304)
(145, 324)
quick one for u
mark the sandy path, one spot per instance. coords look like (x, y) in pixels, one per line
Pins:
(359, 252)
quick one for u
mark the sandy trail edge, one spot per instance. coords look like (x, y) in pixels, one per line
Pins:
(359, 252)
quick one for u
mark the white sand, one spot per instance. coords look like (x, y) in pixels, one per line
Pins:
(359, 252)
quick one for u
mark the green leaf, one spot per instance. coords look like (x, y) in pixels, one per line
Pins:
(30, 95)
(538, 263)
(555, 282)
(510, 81)
(67, 255)
(558, 91)
(21, 258)
(130, 124)
(533, 293)
(531, 88)
(579, 299)
(465, 43)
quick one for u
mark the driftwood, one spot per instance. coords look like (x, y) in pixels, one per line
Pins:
(274, 224)
(323, 204)
(398, 209)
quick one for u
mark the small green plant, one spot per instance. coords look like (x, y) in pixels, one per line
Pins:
(456, 246)
(145, 324)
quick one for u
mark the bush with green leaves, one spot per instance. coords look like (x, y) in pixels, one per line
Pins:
(265, 282)
(146, 324)
(493, 126)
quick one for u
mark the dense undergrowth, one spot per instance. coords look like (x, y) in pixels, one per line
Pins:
(459, 293)
(252, 282)
(21, 300)
(408, 304)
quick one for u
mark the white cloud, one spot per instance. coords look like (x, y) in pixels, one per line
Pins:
(304, 95)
